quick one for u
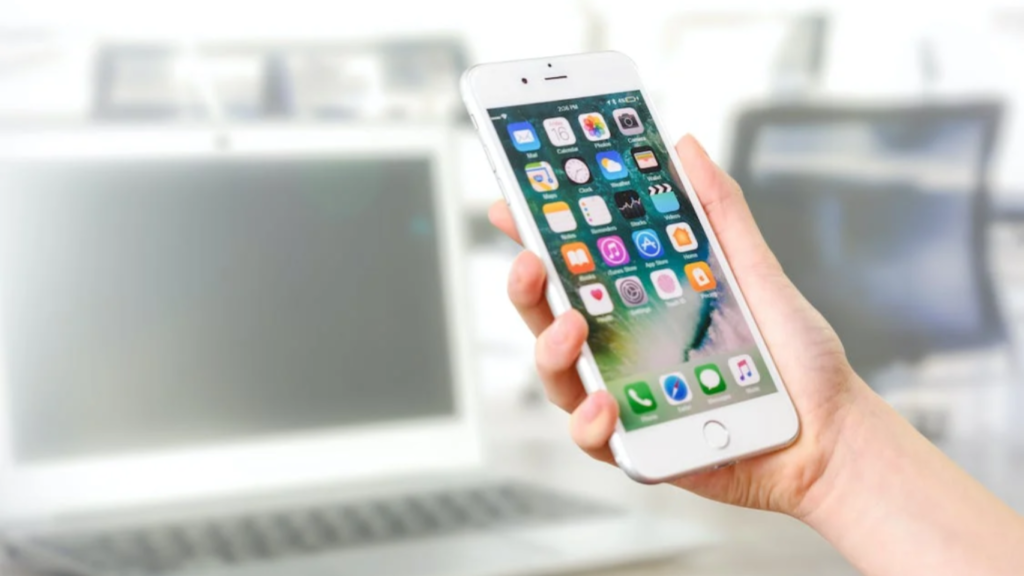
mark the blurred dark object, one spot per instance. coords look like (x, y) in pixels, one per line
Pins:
(408, 80)
(878, 214)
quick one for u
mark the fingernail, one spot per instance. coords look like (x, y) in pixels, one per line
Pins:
(589, 410)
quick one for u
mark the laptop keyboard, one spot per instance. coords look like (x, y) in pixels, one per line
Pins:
(218, 542)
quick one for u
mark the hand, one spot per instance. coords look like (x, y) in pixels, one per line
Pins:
(806, 350)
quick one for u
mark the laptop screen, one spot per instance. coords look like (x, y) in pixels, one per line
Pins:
(173, 303)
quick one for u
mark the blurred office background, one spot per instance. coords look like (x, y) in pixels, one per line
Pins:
(881, 149)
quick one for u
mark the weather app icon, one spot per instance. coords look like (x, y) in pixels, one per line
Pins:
(612, 167)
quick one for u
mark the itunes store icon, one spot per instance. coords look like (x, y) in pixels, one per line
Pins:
(666, 284)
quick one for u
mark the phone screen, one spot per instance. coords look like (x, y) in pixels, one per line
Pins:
(666, 330)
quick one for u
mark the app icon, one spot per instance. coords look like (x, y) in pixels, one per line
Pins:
(629, 205)
(628, 121)
(663, 198)
(631, 290)
(577, 258)
(594, 127)
(541, 176)
(700, 276)
(576, 170)
(559, 217)
(559, 131)
(666, 284)
(711, 381)
(682, 237)
(595, 211)
(613, 250)
(524, 137)
(596, 299)
(640, 398)
(743, 370)
(645, 159)
(675, 388)
(612, 167)
(648, 244)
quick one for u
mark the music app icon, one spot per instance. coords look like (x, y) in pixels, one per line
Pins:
(613, 251)
(744, 371)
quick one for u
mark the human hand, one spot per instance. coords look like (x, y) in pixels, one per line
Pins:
(806, 350)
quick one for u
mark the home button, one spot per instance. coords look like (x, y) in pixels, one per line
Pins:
(717, 436)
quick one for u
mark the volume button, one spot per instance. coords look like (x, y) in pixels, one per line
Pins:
(504, 194)
(490, 160)
(473, 120)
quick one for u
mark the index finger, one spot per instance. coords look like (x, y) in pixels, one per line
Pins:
(501, 217)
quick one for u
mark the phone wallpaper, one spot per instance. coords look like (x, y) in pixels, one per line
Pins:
(666, 330)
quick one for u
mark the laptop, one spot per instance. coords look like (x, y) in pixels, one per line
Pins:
(253, 361)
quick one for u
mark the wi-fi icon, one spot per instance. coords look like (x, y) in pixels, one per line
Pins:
(504, 116)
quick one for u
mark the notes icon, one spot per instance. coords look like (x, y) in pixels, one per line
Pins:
(744, 371)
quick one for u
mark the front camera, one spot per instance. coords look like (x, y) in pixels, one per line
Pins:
(525, 80)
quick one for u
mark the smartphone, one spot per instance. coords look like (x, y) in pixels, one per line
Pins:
(598, 193)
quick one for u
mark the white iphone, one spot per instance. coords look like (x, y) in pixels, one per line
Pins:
(599, 194)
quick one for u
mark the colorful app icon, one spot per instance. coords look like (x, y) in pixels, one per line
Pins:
(629, 204)
(612, 167)
(559, 217)
(576, 170)
(631, 290)
(595, 210)
(700, 276)
(711, 380)
(559, 131)
(613, 251)
(645, 159)
(541, 176)
(577, 258)
(666, 284)
(628, 121)
(596, 299)
(675, 388)
(524, 137)
(648, 244)
(641, 399)
(681, 236)
(663, 198)
(744, 371)
(594, 127)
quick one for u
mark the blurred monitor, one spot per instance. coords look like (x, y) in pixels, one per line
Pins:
(878, 216)
(168, 302)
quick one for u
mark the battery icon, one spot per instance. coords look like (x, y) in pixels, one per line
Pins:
(631, 99)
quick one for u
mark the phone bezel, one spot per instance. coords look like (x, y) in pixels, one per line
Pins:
(670, 449)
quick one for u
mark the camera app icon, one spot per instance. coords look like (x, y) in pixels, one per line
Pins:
(628, 121)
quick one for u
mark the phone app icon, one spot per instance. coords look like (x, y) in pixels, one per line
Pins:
(613, 251)
(594, 127)
(559, 131)
(648, 244)
(700, 276)
(595, 210)
(524, 137)
(628, 121)
(559, 217)
(641, 399)
(541, 177)
(645, 159)
(682, 237)
(744, 371)
(596, 299)
(675, 388)
(629, 204)
(663, 198)
(577, 258)
(576, 170)
(631, 290)
(710, 378)
(666, 284)
(612, 166)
